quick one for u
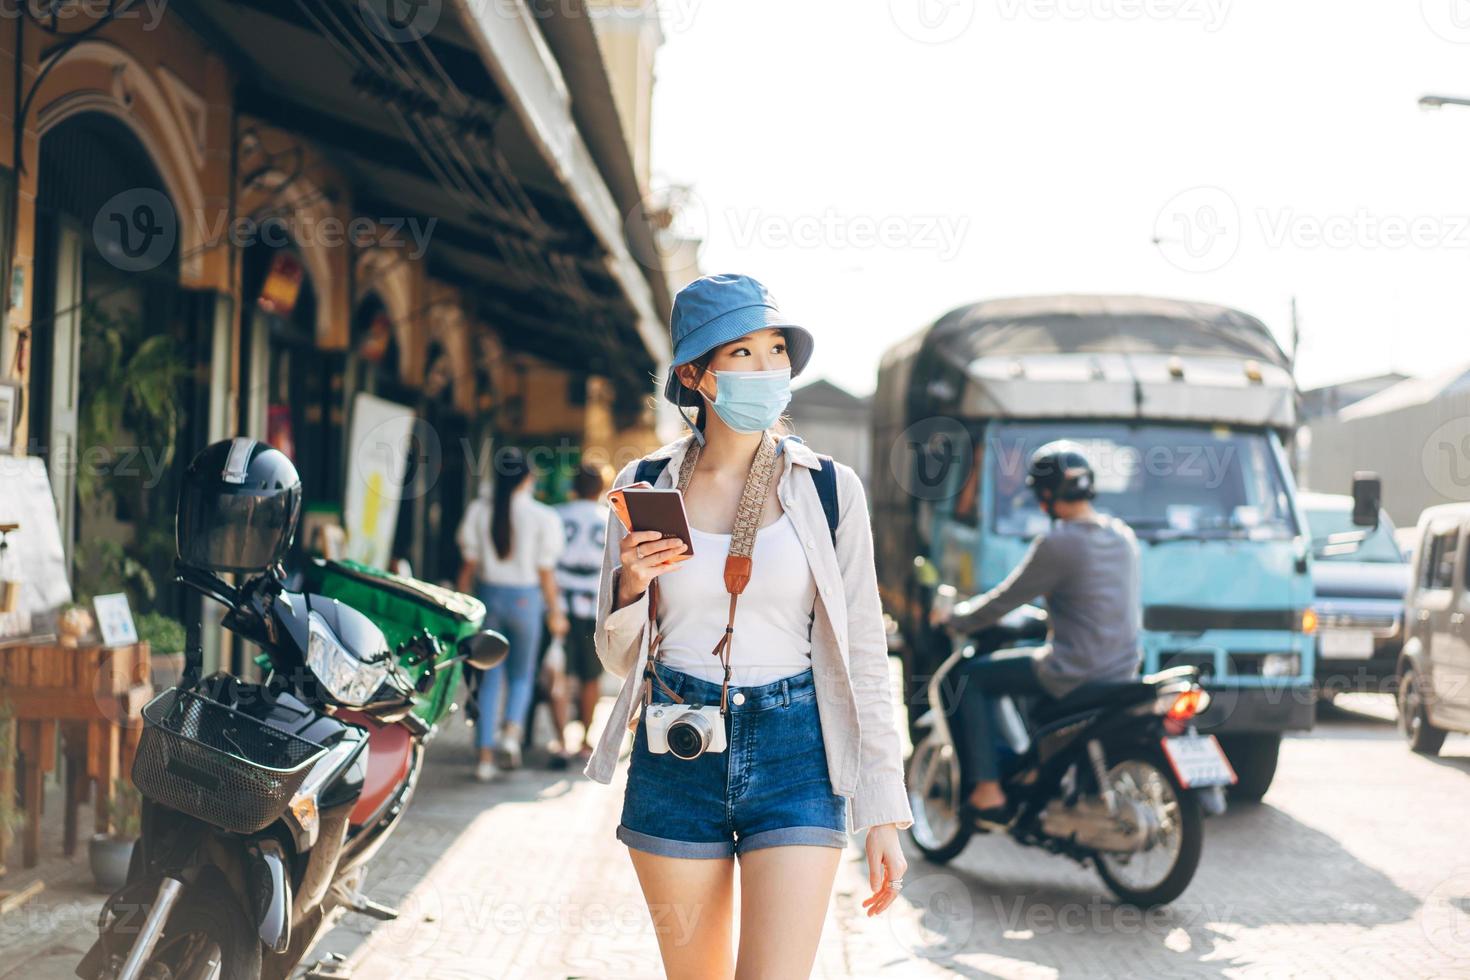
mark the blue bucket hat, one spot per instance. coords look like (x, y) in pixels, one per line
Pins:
(717, 309)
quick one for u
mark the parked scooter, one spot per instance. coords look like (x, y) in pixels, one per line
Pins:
(264, 802)
(1112, 775)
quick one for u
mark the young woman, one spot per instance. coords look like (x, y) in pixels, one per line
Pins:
(510, 545)
(811, 747)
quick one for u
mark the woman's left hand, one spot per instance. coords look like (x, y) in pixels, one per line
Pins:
(886, 865)
(557, 623)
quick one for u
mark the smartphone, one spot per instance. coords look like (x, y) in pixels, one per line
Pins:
(644, 508)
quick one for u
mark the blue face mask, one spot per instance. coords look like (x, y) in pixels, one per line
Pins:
(751, 401)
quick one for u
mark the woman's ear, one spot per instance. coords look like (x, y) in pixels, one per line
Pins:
(689, 375)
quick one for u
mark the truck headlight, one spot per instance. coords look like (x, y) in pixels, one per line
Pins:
(348, 679)
(1281, 665)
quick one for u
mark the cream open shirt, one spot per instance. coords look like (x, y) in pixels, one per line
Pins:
(849, 648)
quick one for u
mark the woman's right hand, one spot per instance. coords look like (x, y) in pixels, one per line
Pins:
(644, 556)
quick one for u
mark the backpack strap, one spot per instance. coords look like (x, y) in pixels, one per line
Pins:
(826, 480)
(649, 470)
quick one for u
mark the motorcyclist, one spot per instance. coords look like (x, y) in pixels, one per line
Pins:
(1087, 568)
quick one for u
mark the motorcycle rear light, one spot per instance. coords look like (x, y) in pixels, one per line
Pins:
(1187, 704)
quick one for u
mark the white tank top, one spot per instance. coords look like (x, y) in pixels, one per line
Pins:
(773, 621)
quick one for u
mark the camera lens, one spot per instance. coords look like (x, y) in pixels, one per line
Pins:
(689, 736)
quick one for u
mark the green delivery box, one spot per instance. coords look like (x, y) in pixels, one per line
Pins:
(402, 608)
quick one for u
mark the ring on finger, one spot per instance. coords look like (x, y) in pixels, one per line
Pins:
(637, 551)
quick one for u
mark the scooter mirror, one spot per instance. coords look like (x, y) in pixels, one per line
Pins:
(484, 649)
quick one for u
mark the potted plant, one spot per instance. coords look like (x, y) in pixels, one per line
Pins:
(165, 638)
(74, 623)
(110, 854)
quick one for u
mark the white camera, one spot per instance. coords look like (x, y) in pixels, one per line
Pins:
(686, 730)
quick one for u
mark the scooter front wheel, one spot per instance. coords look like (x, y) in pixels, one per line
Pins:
(207, 937)
(934, 796)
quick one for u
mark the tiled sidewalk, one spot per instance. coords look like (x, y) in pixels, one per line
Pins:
(523, 878)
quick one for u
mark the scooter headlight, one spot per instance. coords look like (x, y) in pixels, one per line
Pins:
(347, 678)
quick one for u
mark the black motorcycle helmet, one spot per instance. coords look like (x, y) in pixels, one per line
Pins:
(238, 507)
(1059, 471)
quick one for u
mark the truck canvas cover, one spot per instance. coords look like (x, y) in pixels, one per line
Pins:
(1101, 357)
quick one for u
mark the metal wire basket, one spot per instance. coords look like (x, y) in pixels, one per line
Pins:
(217, 764)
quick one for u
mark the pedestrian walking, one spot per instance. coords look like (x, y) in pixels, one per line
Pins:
(510, 544)
(763, 756)
(585, 519)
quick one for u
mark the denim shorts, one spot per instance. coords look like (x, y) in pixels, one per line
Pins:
(769, 787)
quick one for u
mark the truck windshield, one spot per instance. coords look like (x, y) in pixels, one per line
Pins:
(1167, 482)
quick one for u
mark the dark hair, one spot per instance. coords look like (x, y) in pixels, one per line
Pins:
(511, 467)
(588, 482)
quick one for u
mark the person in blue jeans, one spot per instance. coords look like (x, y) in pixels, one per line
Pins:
(510, 543)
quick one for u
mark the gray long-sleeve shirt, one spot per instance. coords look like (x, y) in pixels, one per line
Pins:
(1088, 572)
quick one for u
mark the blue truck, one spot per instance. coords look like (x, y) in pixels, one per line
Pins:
(1185, 410)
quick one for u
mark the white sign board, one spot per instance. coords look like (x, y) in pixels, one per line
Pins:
(35, 546)
(381, 437)
(115, 620)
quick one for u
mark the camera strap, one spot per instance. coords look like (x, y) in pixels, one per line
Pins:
(737, 564)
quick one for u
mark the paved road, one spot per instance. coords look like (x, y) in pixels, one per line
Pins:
(1354, 866)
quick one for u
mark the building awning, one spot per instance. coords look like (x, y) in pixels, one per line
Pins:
(462, 115)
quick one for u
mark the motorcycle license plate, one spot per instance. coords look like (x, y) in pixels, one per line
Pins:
(1199, 761)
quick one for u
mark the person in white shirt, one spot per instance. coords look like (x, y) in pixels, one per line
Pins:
(578, 573)
(510, 544)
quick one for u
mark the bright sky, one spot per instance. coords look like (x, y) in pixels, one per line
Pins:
(879, 162)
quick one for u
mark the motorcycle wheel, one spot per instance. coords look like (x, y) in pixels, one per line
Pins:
(206, 938)
(934, 796)
(1142, 879)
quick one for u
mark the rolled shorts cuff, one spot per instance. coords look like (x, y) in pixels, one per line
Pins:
(668, 847)
(821, 836)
